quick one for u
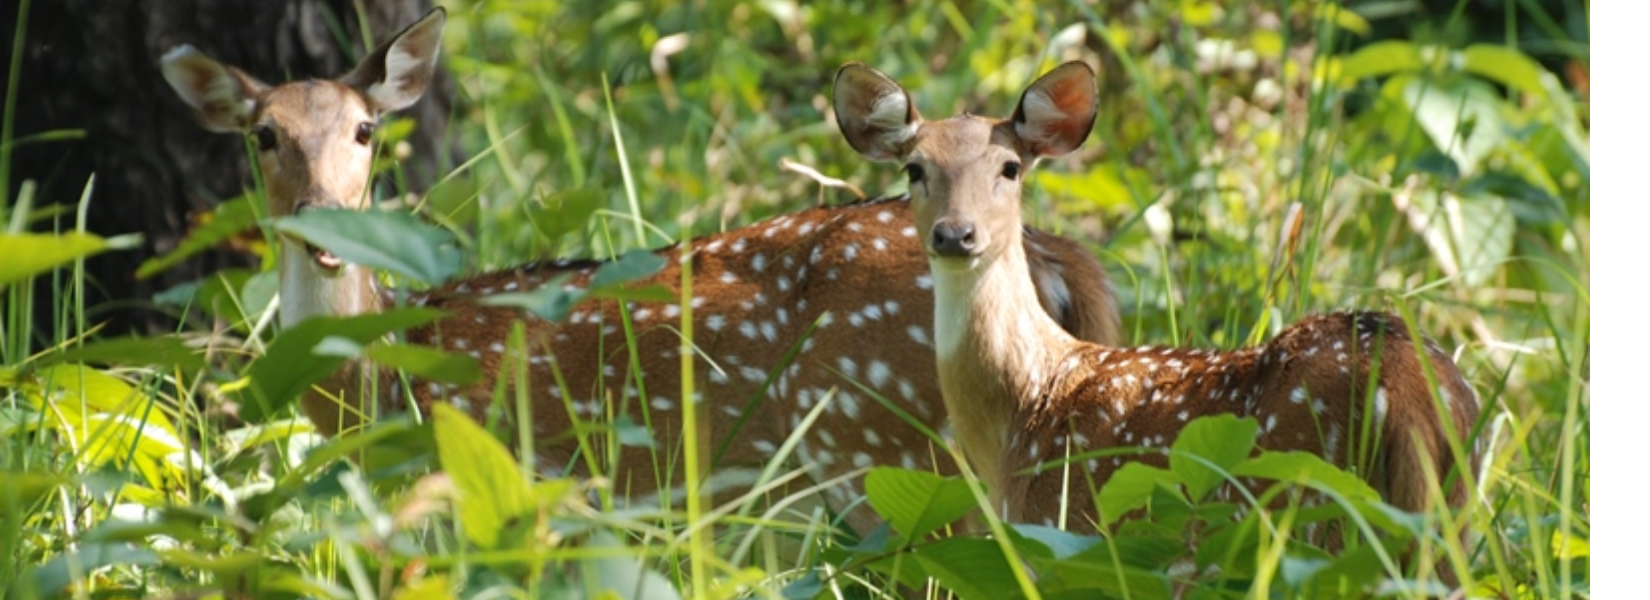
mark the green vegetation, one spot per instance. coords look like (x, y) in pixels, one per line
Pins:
(1253, 163)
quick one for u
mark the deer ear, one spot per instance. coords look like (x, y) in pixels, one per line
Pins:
(1058, 110)
(222, 97)
(874, 113)
(396, 74)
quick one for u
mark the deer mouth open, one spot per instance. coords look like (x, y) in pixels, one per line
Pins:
(323, 258)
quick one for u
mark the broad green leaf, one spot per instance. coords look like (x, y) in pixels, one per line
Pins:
(1359, 569)
(916, 502)
(24, 255)
(551, 301)
(1129, 488)
(291, 365)
(622, 572)
(1144, 552)
(394, 241)
(633, 265)
(66, 568)
(492, 493)
(806, 587)
(110, 421)
(427, 363)
(1342, 17)
(228, 219)
(1505, 66)
(565, 212)
(1115, 573)
(973, 568)
(1060, 543)
(1221, 441)
(1306, 469)
(1472, 235)
(1461, 116)
(23, 488)
(1379, 59)
(167, 351)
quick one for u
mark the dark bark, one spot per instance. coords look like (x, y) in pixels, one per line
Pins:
(92, 65)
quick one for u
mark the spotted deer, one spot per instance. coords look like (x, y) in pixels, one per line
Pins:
(854, 274)
(1021, 392)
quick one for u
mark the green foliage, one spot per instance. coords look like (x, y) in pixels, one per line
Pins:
(1430, 167)
(307, 353)
(916, 503)
(492, 494)
(392, 241)
(28, 255)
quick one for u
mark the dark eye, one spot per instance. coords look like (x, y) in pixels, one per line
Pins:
(1011, 170)
(266, 138)
(913, 171)
(363, 133)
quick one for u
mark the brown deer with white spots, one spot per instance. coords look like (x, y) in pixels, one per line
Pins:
(1022, 393)
(857, 271)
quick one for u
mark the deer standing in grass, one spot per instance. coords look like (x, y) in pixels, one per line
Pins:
(855, 270)
(1021, 392)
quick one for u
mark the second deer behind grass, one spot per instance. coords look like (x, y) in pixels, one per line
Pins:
(1022, 393)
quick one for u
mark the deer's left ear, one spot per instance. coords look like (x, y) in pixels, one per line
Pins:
(222, 97)
(1057, 112)
(874, 112)
(396, 74)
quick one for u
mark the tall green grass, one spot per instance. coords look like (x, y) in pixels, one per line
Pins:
(1446, 182)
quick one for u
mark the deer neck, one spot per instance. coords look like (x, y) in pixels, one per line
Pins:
(311, 290)
(996, 349)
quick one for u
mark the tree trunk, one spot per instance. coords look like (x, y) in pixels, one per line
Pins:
(92, 65)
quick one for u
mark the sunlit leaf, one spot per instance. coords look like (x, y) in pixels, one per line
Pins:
(1379, 59)
(1570, 546)
(917, 502)
(1506, 66)
(24, 255)
(434, 587)
(492, 493)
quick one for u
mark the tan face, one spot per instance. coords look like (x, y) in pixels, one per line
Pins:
(314, 143)
(965, 171)
(965, 177)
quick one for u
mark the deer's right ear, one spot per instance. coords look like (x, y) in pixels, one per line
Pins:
(396, 74)
(223, 97)
(874, 113)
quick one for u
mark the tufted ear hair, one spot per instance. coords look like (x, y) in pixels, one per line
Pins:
(874, 113)
(1057, 112)
(396, 74)
(221, 96)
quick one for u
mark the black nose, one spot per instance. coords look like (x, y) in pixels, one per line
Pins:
(954, 239)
